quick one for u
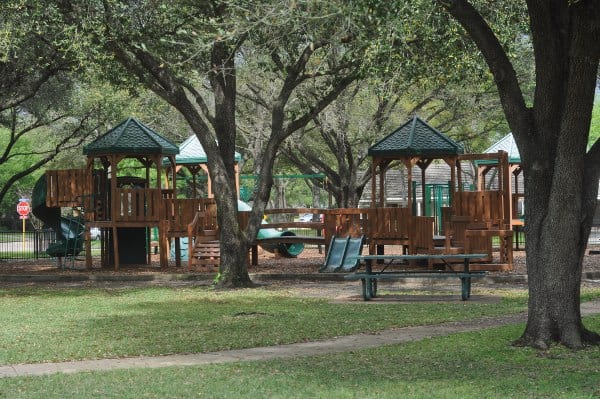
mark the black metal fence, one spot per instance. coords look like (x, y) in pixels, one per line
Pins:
(28, 245)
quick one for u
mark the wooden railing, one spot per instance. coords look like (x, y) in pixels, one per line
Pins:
(380, 226)
(137, 205)
(477, 217)
(352, 222)
(66, 188)
(480, 206)
(179, 213)
(184, 218)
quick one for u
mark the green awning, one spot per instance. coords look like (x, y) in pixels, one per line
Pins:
(416, 138)
(133, 138)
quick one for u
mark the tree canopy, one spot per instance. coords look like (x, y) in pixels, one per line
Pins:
(304, 54)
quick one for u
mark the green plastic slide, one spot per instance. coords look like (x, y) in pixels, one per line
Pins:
(342, 255)
(288, 250)
(69, 230)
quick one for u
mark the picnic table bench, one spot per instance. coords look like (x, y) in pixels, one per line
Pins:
(369, 277)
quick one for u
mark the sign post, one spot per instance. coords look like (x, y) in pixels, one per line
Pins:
(23, 209)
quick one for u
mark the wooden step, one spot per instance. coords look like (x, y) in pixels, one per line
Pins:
(207, 254)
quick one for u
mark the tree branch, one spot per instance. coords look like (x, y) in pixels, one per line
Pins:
(504, 74)
(341, 85)
(199, 100)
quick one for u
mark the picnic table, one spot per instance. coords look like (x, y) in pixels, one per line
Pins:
(369, 277)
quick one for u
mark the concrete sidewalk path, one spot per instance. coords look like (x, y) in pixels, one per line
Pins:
(335, 345)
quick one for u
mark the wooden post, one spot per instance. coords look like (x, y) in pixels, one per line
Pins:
(382, 183)
(408, 165)
(114, 212)
(374, 182)
(506, 187)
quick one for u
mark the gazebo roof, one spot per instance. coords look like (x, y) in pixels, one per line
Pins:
(416, 138)
(131, 137)
(191, 152)
(507, 144)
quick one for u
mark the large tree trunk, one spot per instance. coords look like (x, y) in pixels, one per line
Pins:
(561, 178)
(556, 243)
(234, 244)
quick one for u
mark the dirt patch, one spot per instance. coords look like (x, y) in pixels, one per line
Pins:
(308, 262)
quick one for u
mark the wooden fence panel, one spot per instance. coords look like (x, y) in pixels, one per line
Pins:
(66, 187)
(480, 206)
(138, 205)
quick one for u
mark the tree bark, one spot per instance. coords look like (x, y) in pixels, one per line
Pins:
(234, 264)
(218, 140)
(555, 246)
(561, 180)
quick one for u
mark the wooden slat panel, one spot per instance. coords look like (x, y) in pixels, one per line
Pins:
(138, 205)
(480, 206)
(345, 222)
(66, 187)
(389, 223)
(422, 234)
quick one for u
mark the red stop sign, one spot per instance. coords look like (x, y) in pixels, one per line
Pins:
(23, 208)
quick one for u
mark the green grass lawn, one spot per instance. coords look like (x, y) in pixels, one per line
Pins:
(63, 324)
(469, 365)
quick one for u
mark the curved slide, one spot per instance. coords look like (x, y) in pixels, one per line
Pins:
(69, 231)
(288, 250)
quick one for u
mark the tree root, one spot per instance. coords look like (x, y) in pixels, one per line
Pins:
(543, 342)
(590, 337)
(527, 341)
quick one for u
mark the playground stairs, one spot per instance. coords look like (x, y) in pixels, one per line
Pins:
(206, 252)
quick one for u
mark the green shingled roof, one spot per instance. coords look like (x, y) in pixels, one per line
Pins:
(191, 152)
(415, 138)
(131, 137)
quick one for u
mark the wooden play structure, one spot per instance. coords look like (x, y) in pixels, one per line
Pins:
(479, 221)
(488, 167)
(415, 143)
(474, 221)
(192, 158)
(127, 209)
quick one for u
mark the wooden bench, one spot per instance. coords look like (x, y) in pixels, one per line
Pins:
(369, 277)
